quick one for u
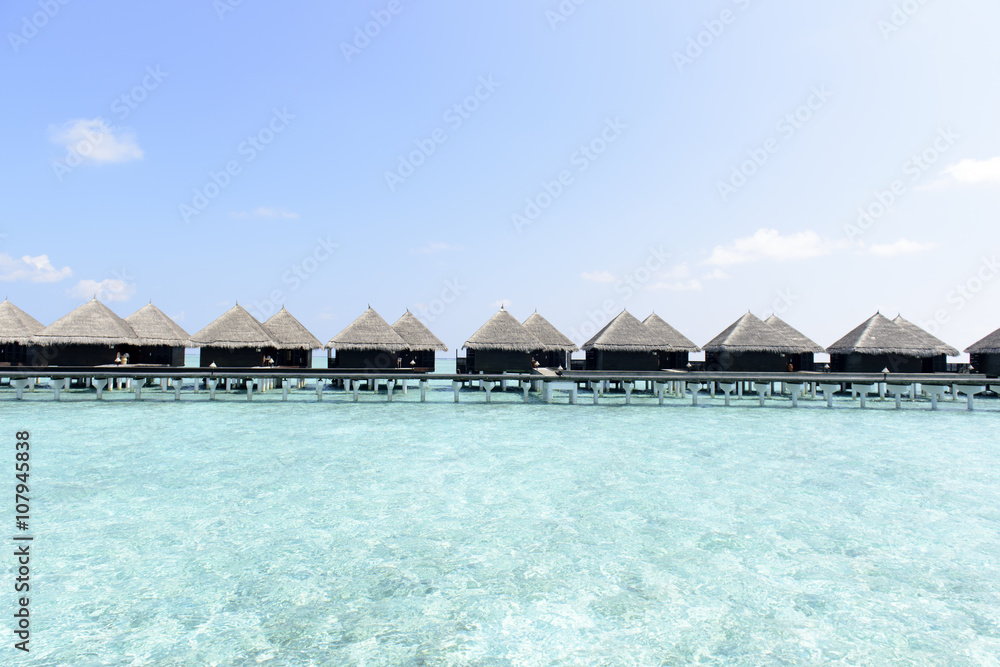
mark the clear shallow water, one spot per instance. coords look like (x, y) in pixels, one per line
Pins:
(436, 534)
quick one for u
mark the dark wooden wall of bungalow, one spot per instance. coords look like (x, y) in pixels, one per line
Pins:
(378, 360)
(875, 363)
(673, 360)
(987, 364)
(600, 360)
(757, 362)
(155, 354)
(498, 361)
(424, 359)
(240, 357)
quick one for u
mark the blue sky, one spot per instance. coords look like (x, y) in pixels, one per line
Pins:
(817, 160)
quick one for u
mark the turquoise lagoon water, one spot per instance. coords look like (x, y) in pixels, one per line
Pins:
(299, 533)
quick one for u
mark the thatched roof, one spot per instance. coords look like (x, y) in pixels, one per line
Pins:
(551, 338)
(792, 336)
(988, 345)
(153, 327)
(368, 332)
(17, 326)
(93, 323)
(751, 334)
(675, 340)
(928, 339)
(880, 335)
(288, 333)
(416, 335)
(503, 332)
(234, 329)
(625, 333)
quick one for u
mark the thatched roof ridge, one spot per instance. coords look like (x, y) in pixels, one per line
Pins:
(793, 336)
(926, 337)
(676, 341)
(988, 345)
(416, 335)
(234, 329)
(93, 323)
(288, 333)
(17, 326)
(625, 333)
(750, 334)
(551, 338)
(368, 332)
(503, 332)
(153, 327)
(880, 335)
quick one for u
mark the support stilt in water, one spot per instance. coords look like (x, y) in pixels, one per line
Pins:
(970, 392)
(795, 389)
(694, 388)
(423, 390)
(19, 386)
(211, 383)
(56, 388)
(628, 387)
(828, 391)
(99, 385)
(455, 386)
(935, 391)
(863, 390)
(727, 389)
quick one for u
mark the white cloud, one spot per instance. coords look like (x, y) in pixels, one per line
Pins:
(432, 248)
(715, 274)
(900, 247)
(598, 276)
(769, 245)
(95, 141)
(179, 317)
(502, 303)
(975, 171)
(692, 285)
(265, 212)
(110, 289)
(31, 269)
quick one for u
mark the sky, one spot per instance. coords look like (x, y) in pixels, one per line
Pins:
(821, 161)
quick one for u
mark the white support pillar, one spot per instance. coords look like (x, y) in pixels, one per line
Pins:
(389, 386)
(229, 385)
(547, 392)
(970, 391)
(597, 394)
(897, 391)
(403, 384)
(99, 385)
(954, 396)
(727, 389)
(828, 391)
(249, 389)
(694, 388)
(163, 384)
(536, 385)
(503, 385)
(658, 387)
(138, 390)
(936, 391)
(211, 383)
(881, 391)
(711, 389)
(628, 386)
(573, 394)
(19, 386)
(488, 387)
(284, 390)
(355, 388)
(56, 388)
(762, 389)
(863, 390)
(455, 386)
(525, 388)
(795, 389)
(739, 389)
(320, 386)
(423, 391)
(66, 383)
(604, 387)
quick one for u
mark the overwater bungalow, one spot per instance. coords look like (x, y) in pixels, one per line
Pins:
(16, 329)
(556, 348)
(801, 361)
(91, 335)
(750, 344)
(294, 344)
(879, 343)
(502, 344)
(624, 344)
(235, 340)
(674, 355)
(423, 345)
(161, 340)
(984, 355)
(368, 343)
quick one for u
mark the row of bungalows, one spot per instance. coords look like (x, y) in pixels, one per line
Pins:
(93, 335)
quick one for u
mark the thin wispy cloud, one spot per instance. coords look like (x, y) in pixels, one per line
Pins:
(899, 248)
(95, 141)
(690, 285)
(31, 269)
(110, 289)
(768, 245)
(598, 276)
(266, 212)
(974, 172)
(433, 248)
